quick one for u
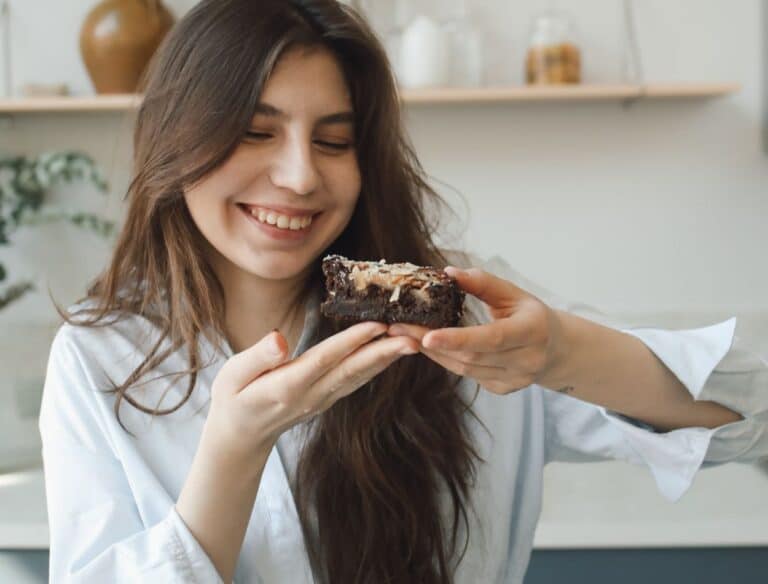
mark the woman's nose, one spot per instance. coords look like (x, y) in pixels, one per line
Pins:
(294, 168)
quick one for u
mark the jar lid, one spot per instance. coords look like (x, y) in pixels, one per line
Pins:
(551, 27)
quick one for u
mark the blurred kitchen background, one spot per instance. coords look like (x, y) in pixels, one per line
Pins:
(612, 151)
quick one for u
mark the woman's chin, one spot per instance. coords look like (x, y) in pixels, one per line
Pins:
(288, 267)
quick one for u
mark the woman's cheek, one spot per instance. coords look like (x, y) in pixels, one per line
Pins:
(351, 184)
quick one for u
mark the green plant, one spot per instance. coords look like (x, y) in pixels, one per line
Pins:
(24, 183)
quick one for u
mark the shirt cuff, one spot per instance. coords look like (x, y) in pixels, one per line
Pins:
(189, 551)
(673, 457)
(692, 355)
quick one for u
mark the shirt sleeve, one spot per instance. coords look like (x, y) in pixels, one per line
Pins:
(96, 531)
(715, 363)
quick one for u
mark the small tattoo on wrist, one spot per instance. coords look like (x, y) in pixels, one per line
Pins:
(566, 389)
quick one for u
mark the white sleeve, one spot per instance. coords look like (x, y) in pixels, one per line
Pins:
(714, 363)
(96, 532)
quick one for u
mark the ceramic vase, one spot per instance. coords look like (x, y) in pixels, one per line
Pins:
(117, 40)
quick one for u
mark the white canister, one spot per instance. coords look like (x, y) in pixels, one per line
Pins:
(424, 56)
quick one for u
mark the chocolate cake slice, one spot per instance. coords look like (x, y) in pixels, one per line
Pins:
(363, 290)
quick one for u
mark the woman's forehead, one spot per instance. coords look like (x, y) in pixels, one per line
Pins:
(306, 82)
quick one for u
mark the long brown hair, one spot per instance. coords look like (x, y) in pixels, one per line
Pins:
(382, 466)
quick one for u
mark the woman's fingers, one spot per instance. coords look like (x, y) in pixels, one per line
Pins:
(499, 372)
(242, 368)
(271, 351)
(267, 396)
(409, 330)
(325, 356)
(463, 368)
(505, 358)
(495, 379)
(357, 370)
(517, 330)
(496, 292)
(495, 336)
(289, 383)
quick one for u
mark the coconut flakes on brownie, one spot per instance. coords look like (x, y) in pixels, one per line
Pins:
(360, 290)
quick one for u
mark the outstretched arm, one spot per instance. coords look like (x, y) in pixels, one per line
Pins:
(528, 342)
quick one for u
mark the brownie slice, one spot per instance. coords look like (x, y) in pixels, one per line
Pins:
(362, 290)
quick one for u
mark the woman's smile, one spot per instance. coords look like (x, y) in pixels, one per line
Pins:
(281, 223)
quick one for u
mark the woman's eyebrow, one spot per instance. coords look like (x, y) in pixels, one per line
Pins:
(337, 118)
(345, 117)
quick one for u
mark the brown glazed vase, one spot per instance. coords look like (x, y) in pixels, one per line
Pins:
(118, 39)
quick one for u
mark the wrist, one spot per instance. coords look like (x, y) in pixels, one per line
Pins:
(228, 454)
(560, 372)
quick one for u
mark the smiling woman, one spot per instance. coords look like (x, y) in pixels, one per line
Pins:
(218, 448)
(270, 136)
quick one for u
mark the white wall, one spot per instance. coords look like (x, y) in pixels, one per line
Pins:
(656, 208)
(659, 207)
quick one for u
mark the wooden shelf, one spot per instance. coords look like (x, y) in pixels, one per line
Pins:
(119, 103)
(569, 93)
(95, 103)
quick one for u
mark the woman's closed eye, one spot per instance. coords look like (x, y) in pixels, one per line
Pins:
(333, 145)
(339, 146)
(258, 135)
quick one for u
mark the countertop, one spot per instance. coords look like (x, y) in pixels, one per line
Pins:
(617, 505)
(23, 515)
(626, 512)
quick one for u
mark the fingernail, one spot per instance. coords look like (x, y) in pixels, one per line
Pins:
(434, 343)
(452, 271)
(274, 346)
(408, 351)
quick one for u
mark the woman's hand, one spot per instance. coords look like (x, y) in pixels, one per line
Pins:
(257, 395)
(518, 348)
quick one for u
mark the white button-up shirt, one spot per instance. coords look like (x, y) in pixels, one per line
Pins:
(111, 495)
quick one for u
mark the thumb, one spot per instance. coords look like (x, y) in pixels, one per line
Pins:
(245, 366)
(492, 290)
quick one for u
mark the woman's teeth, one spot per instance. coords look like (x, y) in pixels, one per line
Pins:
(282, 221)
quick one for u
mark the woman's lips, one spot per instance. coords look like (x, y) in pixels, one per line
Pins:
(278, 233)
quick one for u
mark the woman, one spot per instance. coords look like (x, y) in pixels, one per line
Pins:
(201, 422)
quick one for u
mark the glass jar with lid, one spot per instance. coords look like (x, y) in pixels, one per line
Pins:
(553, 55)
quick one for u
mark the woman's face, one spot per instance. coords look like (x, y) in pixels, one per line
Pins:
(290, 187)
